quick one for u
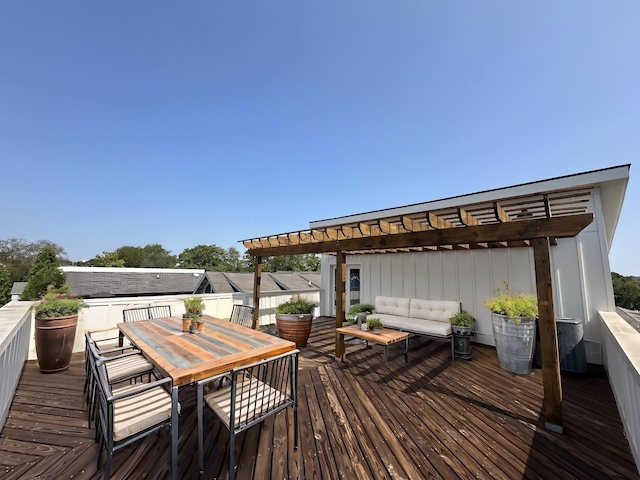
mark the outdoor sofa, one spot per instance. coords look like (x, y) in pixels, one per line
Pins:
(417, 316)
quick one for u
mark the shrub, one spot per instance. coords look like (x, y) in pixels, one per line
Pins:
(462, 319)
(296, 306)
(58, 302)
(519, 305)
(359, 308)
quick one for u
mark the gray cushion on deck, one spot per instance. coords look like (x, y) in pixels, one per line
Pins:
(416, 325)
(126, 367)
(139, 412)
(260, 399)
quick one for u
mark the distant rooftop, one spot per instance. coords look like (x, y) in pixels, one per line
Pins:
(102, 282)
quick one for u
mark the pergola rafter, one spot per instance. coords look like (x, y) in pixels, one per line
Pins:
(533, 221)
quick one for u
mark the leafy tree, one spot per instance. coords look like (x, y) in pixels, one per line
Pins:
(233, 260)
(107, 259)
(209, 257)
(285, 263)
(5, 286)
(155, 256)
(44, 272)
(133, 256)
(17, 255)
(626, 291)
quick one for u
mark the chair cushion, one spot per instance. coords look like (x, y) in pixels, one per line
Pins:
(258, 399)
(438, 310)
(127, 367)
(416, 325)
(392, 306)
(139, 412)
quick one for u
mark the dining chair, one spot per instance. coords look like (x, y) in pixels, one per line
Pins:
(159, 311)
(242, 315)
(133, 315)
(256, 391)
(109, 349)
(128, 413)
(120, 365)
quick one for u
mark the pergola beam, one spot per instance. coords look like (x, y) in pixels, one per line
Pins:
(516, 231)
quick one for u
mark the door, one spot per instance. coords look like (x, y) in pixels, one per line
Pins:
(352, 287)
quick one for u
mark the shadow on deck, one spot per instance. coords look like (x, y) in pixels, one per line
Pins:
(429, 418)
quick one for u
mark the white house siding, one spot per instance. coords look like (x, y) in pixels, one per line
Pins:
(580, 266)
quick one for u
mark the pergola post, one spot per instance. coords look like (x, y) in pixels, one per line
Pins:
(256, 292)
(552, 401)
(341, 275)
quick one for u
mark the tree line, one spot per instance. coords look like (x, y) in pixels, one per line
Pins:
(18, 259)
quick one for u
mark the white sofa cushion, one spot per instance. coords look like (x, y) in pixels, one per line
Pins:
(437, 310)
(416, 325)
(392, 306)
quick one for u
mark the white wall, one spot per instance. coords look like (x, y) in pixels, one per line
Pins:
(580, 267)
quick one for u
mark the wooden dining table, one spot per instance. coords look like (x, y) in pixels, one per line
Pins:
(188, 357)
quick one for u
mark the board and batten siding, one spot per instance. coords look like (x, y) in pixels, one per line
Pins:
(582, 279)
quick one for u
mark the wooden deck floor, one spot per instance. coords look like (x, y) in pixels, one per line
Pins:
(429, 418)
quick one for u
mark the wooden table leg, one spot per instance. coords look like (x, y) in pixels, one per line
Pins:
(385, 355)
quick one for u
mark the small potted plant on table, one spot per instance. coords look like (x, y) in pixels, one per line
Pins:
(374, 324)
(192, 319)
(293, 320)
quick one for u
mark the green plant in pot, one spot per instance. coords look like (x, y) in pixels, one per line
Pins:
(374, 323)
(192, 319)
(359, 312)
(462, 329)
(293, 320)
(514, 328)
(56, 319)
(462, 323)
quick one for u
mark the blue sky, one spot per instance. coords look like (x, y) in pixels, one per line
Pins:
(186, 123)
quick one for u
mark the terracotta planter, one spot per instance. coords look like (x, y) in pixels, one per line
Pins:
(295, 328)
(186, 322)
(200, 326)
(54, 342)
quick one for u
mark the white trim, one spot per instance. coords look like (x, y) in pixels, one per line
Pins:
(69, 268)
(595, 177)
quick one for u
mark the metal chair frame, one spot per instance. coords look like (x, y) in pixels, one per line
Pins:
(269, 386)
(105, 419)
(242, 315)
(93, 356)
(143, 313)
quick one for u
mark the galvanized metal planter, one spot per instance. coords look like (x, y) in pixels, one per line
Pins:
(515, 342)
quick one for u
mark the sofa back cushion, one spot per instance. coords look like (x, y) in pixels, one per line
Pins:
(393, 306)
(439, 310)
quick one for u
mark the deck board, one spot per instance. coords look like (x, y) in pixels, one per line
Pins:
(361, 419)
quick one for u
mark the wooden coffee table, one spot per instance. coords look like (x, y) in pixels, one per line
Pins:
(384, 337)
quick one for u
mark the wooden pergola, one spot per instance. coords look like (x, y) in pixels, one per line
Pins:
(532, 221)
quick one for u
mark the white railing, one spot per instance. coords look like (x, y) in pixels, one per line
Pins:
(15, 330)
(106, 313)
(16, 324)
(621, 358)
